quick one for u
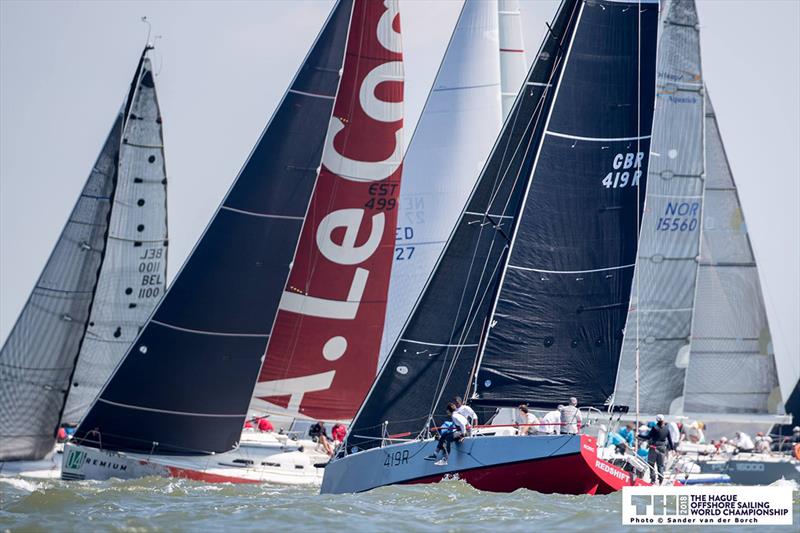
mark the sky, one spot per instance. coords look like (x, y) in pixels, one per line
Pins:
(223, 67)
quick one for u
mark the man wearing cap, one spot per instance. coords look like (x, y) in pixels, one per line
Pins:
(660, 443)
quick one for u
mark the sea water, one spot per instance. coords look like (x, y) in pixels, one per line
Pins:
(156, 504)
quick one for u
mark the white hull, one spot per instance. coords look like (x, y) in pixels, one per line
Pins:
(251, 463)
(47, 468)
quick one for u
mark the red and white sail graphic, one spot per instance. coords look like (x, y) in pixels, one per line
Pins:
(325, 342)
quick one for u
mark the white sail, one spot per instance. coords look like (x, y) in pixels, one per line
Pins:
(660, 317)
(732, 361)
(513, 67)
(133, 276)
(457, 128)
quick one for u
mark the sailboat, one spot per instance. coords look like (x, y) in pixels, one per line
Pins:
(298, 242)
(102, 280)
(697, 333)
(528, 301)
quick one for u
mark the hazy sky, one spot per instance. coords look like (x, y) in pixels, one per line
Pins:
(223, 66)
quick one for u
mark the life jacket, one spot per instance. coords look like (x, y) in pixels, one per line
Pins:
(447, 427)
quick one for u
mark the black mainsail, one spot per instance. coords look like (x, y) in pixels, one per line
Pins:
(561, 189)
(102, 280)
(185, 385)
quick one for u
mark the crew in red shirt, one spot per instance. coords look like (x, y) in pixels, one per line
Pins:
(265, 425)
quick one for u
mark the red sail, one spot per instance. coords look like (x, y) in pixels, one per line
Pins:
(323, 351)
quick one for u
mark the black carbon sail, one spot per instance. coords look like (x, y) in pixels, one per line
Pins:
(439, 345)
(185, 385)
(558, 325)
(97, 287)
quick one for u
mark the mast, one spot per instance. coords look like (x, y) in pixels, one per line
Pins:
(184, 386)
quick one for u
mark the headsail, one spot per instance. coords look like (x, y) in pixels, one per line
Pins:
(513, 67)
(660, 320)
(326, 339)
(185, 385)
(80, 309)
(558, 323)
(437, 350)
(133, 277)
(456, 131)
(732, 360)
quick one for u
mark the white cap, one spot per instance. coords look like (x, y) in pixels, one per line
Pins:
(659, 418)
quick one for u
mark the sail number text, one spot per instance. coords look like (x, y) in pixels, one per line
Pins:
(626, 171)
(679, 216)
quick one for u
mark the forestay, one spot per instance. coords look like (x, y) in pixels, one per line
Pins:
(133, 277)
(438, 347)
(660, 319)
(732, 361)
(326, 339)
(185, 385)
(559, 319)
(80, 310)
(456, 131)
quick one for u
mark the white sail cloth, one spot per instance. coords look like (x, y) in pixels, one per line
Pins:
(133, 277)
(457, 128)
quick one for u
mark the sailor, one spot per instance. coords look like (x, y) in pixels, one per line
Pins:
(530, 424)
(660, 443)
(319, 435)
(339, 432)
(570, 417)
(743, 442)
(452, 430)
(550, 423)
(264, 425)
(763, 443)
(628, 434)
(467, 412)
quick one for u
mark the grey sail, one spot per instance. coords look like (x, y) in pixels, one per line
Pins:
(732, 361)
(133, 277)
(660, 318)
(39, 356)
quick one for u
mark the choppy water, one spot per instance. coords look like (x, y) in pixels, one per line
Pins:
(156, 504)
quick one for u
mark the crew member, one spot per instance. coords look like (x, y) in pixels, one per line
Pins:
(452, 430)
(467, 412)
(339, 432)
(660, 443)
(743, 442)
(318, 434)
(264, 425)
(570, 417)
(550, 423)
(530, 424)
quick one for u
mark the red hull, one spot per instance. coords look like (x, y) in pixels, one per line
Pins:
(578, 473)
